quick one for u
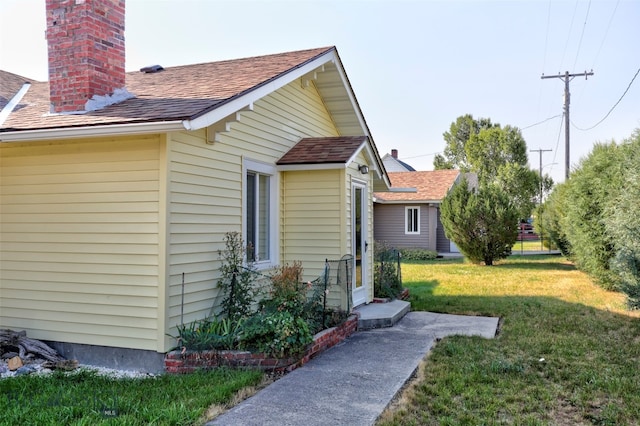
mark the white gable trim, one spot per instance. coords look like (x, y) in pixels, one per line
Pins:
(235, 104)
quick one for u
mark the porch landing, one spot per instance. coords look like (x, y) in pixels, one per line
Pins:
(380, 315)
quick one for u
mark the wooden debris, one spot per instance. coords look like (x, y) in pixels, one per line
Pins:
(12, 341)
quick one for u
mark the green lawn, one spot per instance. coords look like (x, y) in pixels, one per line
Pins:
(84, 398)
(567, 352)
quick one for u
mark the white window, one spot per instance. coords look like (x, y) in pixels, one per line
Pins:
(260, 213)
(412, 220)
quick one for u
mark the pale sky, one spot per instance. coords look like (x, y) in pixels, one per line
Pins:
(415, 66)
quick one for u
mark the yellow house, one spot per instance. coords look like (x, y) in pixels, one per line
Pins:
(115, 201)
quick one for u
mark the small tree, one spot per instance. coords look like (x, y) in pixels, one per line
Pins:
(237, 278)
(483, 224)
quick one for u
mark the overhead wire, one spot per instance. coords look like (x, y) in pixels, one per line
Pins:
(584, 26)
(555, 151)
(573, 17)
(612, 108)
(606, 33)
(541, 122)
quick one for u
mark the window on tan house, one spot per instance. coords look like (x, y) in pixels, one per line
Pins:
(412, 220)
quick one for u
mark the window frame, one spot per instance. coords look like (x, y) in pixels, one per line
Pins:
(262, 169)
(416, 226)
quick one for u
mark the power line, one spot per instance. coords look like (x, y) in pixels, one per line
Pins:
(558, 141)
(582, 34)
(595, 60)
(541, 122)
(612, 108)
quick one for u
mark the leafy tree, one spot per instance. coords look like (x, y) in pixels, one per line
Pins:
(483, 223)
(498, 155)
(460, 131)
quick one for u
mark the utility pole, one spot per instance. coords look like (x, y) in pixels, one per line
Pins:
(540, 151)
(567, 78)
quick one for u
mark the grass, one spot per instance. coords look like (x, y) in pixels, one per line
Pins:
(528, 245)
(85, 398)
(567, 352)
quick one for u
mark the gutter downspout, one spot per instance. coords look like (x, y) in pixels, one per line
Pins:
(8, 108)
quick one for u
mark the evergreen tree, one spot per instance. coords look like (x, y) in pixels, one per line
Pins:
(483, 223)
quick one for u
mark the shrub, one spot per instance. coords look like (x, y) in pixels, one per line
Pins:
(387, 282)
(237, 280)
(550, 219)
(276, 333)
(593, 186)
(483, 223)
(621, 222)
(417, 254)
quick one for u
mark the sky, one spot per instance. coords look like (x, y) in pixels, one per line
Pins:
(415, 66)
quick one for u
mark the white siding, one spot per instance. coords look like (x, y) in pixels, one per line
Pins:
(79, 241)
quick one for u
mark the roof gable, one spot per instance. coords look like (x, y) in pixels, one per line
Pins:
(175, 94)
(324, 150)
(431, 186)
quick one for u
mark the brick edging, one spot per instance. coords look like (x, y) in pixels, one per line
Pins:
(190, 361)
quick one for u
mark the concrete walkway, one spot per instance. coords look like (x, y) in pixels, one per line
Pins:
(352, 383)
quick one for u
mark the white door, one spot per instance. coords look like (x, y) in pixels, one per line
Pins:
(359, 242)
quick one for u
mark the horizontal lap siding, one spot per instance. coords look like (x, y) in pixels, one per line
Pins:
(390, 222)
(204, 203)
(205, 190)
(79, 241)
(312, 218)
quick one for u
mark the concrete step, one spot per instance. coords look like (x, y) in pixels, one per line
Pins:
(380, 315)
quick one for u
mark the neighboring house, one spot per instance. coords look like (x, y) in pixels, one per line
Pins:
(112, 213)
(392, 164)
(411, 219)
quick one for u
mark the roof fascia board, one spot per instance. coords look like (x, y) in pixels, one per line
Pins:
(382, 201)
(307, 167)
(90, 131)
(235, 104)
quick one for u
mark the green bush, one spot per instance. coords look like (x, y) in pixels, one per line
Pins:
(550, 219)
(387, 282)
(593, 186)
(417, 254)
(276, 333)
(621, 222)
(483, 223)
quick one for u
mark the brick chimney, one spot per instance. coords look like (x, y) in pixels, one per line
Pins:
(394, 153)
(86, 51)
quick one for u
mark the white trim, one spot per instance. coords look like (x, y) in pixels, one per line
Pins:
(243, 101)
(406, 220)
(90, 131)
(361, 294)
(274, 210)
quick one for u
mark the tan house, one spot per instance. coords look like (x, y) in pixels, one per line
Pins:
(117, 189)
(411, 218)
